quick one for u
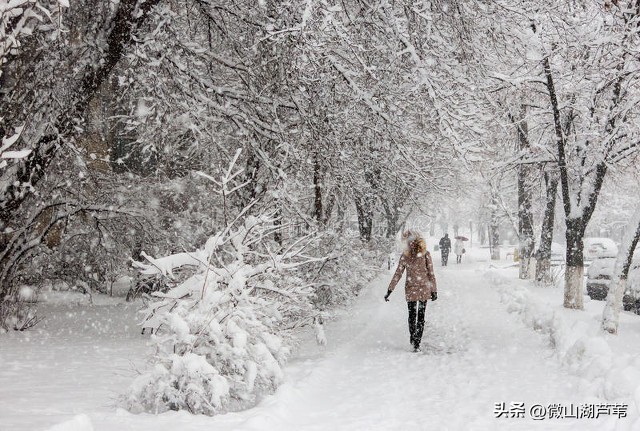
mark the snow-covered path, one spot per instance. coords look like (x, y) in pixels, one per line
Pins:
(475, 355)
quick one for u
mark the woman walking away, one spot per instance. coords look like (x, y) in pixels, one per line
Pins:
(420, 285)
(458, 249)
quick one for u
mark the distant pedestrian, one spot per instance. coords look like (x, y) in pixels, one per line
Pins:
(445, 248)
(458, 249)
(420, 285)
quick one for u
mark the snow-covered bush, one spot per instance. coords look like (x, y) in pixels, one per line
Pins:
(19, 315)
(222, 334)
(92, 248)
(350, 266)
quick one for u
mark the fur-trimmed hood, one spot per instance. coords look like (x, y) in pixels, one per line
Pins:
(414, 244)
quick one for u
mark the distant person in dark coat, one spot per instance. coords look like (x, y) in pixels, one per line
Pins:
(445, 248)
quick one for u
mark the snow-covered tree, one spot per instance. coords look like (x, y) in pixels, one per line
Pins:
(618, 286)
(600, 113)
(222, 333)
(47, 88)
(577, 77)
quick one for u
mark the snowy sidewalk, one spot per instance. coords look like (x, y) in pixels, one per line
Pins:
(475, 354)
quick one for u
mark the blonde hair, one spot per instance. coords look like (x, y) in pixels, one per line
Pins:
(416, 245)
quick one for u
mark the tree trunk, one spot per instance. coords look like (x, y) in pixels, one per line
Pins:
(494, 240)
(392, 216)
(543, 269)
(574, 271)
(341, 216)
(253, 189)
(494, 232)
(611, 312)
(365, 200)
(525, 221)
(277, 234)
(525, 218)
(317, 188)
(364, 208)
(328, 209)
(392, 224)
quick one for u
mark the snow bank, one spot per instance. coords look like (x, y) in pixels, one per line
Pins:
(578, 342)
(78, 423)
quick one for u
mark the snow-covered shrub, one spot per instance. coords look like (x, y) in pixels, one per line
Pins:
(222, 334)
(91, 245)
(18, 315)
(351, 264)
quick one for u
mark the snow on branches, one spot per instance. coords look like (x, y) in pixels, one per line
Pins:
(19, 19)
(220, 339)
(221, 335)
(7, 155)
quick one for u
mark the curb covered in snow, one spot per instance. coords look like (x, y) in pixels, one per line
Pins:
(579, 343)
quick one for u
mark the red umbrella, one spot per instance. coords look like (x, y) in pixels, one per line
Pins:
(462, 238)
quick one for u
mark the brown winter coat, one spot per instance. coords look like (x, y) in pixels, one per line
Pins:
(421, 280)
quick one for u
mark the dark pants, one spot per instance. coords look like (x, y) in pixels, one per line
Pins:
(445, 257)
(416, 321)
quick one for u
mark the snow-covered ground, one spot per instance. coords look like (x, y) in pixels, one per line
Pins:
(489, 339)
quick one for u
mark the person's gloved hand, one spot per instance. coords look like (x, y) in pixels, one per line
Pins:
(434, 296)
(386, 297)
